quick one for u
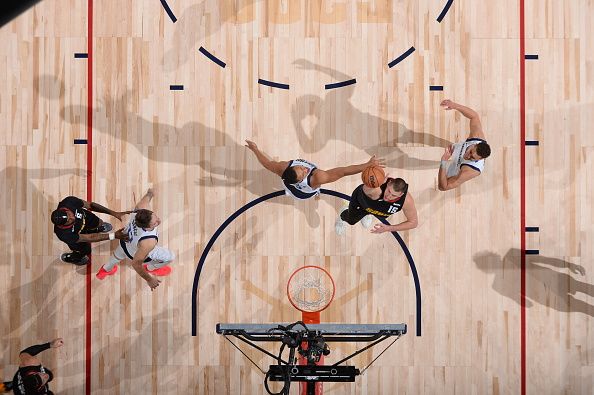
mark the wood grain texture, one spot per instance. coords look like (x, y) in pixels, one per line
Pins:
(188, 145)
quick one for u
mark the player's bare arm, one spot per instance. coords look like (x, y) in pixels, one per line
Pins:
(321, 177)
(277, 167)
(410, 213)
(96, 207)
(476, 128)
(95, 237)
(144, 248)
(446, 183)
(145, 202)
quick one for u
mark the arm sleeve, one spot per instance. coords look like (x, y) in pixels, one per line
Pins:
(36, 349)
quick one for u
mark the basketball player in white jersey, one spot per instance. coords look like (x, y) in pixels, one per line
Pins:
(302, 179)
(148, 259)
(465, 160)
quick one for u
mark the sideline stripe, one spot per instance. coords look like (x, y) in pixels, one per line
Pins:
(168, 11)
(522, 204)
(261, 199)
(210, 56)
(89, 191)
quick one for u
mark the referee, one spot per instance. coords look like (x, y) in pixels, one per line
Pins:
(78, 227)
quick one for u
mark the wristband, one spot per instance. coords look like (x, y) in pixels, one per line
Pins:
(112, 236)
(444, 164)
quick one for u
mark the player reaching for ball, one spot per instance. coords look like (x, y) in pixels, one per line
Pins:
(384, 200)
(302, 179)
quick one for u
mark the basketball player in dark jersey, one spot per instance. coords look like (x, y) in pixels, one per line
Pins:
(389, 198)
(32, 377)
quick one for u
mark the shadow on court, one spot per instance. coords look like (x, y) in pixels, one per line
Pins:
(547, 282)
(236, 171)
(200, 21)
(328, 112)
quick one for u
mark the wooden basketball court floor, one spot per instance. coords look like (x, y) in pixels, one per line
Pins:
(121, 338)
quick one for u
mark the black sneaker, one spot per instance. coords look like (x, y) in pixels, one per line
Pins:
(104, 228)
(69, 258)
(7, 386)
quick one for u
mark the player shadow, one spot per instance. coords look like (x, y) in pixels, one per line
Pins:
(195, 25)
(253, 179)
(127, 349)
(324, 111)
(558, 290)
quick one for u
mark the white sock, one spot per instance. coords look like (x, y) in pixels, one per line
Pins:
(113, 261)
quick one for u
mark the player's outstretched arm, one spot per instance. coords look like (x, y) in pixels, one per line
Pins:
(410, 213)
(476, 128)
(144, 248)
(96, 207)
(321, 177)
(277, 167)
(447, 183)
(145, 202)
(27, 357)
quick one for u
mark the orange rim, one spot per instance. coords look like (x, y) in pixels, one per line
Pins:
(331, 280)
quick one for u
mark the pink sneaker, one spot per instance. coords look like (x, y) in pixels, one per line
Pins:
(102, 273)
(162, 271)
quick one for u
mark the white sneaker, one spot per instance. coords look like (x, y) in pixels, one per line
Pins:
(340, 226)
(367, 221)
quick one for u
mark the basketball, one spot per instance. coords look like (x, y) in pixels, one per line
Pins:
(373, 176)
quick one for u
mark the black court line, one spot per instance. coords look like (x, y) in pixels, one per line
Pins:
(212, 57)
(168, 11)
(445, 10)
(340, 84)
(531, 57)
(80, 141)
(261, 199)
(176, 87)
(81, 56)
(532, 252)
(531, 142)
(401, 57)
(532, 229)
(435, 87)
(273, 84)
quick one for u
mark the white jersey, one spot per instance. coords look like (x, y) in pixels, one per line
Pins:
(457, 160)
(136, 234)
(302, 189)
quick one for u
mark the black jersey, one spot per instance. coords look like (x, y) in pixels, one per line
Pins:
(18, 382)
(380, 207)
(83, 220)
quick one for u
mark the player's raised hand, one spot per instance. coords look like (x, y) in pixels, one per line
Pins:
(121, 235)
(380, 162)
(448, 152)
(153, 283)
(251, 145)
(59, 342)
(447, 104)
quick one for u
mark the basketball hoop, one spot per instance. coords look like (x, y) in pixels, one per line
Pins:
(310, 289)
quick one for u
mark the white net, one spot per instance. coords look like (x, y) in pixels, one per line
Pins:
(310, 289)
